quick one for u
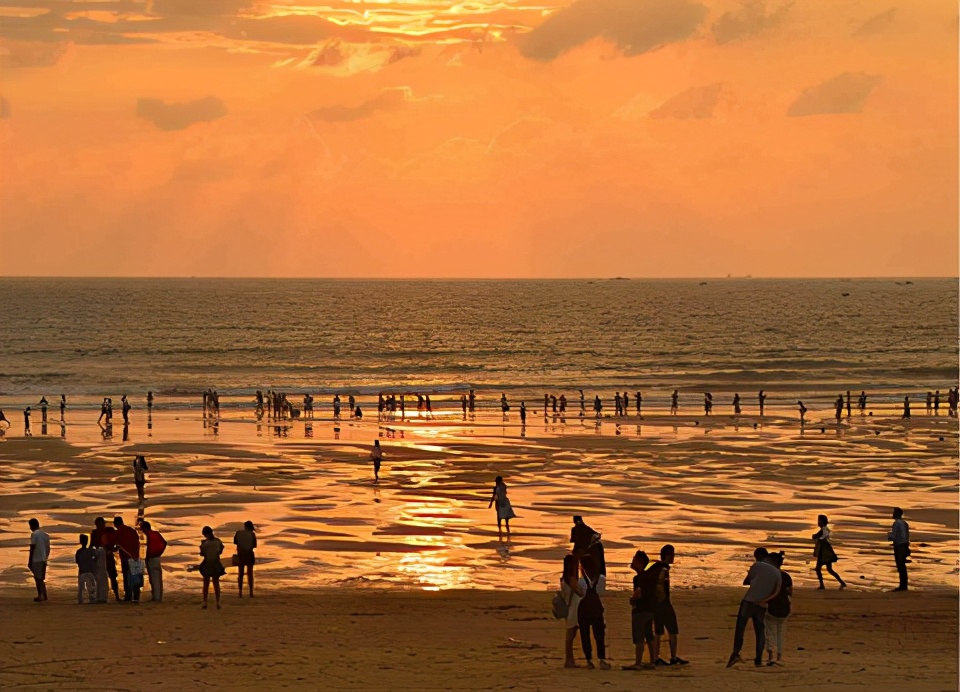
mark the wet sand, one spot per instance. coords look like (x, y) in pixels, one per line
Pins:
(349, 639)
(715, 487)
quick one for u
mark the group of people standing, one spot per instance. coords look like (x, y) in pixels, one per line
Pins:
(766, 604)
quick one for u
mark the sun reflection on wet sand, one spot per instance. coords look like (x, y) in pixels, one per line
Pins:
(714, 488)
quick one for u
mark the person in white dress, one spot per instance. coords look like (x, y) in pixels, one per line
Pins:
(572, 593)
(504, 510)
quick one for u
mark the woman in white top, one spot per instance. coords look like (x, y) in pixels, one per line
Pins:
(824, 552)
(571, 591)
(504, 509)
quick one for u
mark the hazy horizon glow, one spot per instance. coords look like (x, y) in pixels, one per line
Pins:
(490, 138)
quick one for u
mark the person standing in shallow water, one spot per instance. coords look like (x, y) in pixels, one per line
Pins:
(376, 456)
(824, 552)
(26, 422)
(211, 569)
(504, 509)
(761, 397)
(140, 475)
(523, 413)
(736, 404)
(674, 402)
(246, 541)
(803, 412)
(839, 407)
(906, 407)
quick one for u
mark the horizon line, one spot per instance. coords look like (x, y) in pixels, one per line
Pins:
(744, 277)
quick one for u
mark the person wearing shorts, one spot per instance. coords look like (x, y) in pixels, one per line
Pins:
(664, 616)
(643, 602)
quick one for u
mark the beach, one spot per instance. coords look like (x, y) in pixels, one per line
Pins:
(359, 639)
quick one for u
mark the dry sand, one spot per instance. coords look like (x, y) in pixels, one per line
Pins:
(353, 639)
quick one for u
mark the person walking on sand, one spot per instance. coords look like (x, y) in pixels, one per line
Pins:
(762, 397)
(597, 406)
(571, 594)
(900, 537)
(86, 559)
(523, 413)
(37, 561)
(764, 583)
(803, 412)
(639, 400)
(643, 602)
(862, 402)
(736, 404)
(626, 404)
(838, 404)
(156, 545)
(246, 541)
(936, 403)
(664, 616)
(125, 409)
(778, 610)
(906, 407)
(211, 569)
(674, 402)
(140, 475)
(824, 552)
(617, 404)
(583, 403)
(590, 612)
(707, 403)
(63, 406)
(504, 406)
(26, 422)
(563, 404)
(504, 510)
(376, 456)
(43, 409)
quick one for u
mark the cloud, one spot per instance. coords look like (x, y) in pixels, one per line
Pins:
(876, 24)
(697, 102)
(386, 100)
(751, 19)
(845, 93)
(200, 8)
(635, 26)
(5, 111)
(341, 59)
(15, 54)
(179, 116)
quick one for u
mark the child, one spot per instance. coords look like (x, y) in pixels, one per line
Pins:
(86, 571)
(778, 610)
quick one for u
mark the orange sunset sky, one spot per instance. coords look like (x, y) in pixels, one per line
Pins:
(478, 138)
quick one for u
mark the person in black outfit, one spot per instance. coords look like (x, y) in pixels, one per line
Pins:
(778, 610)
(590, 612)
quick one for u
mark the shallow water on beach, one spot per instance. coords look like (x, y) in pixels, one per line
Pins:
(177, 337)
(714, 487)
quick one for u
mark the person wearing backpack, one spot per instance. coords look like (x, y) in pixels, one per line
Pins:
(571, 593)
(590, 611)
(156, 544)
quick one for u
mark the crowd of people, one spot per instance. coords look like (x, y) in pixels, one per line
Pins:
(98, 552)
(766, 603)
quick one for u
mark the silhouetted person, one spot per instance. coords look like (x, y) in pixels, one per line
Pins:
(43, 409)
(838, 404)
(761, 397)
(862, 402)
(63, 406)
(824, 552)
(936, 403)
(523, 413)
(376, 456)
(639, 400)
(150, 400)
(803, 411)
(929, 402)
(463, 403)
(597, 406)
(504, 406)
(736, 404)
(906, 407)
(125, 409)
(674, 402)
(26, 422)
(764, 581)
(707, 403)
(900, 537)
(427, 403)
(617, 408)
(563, 404)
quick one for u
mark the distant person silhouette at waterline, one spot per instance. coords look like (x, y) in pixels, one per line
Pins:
(376, 456)
(803, 412)
(674, 402)
(906, 407)
(761, 397)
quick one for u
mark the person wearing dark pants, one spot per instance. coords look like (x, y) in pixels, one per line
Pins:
(590, 612)
(764, 581)
(900, 537)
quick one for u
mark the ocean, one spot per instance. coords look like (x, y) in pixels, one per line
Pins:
(100, 337)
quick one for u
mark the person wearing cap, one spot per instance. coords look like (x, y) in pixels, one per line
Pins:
(246, 540)
(156, 544)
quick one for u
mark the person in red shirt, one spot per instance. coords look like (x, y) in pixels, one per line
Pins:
(127, 541)
(156, 544)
